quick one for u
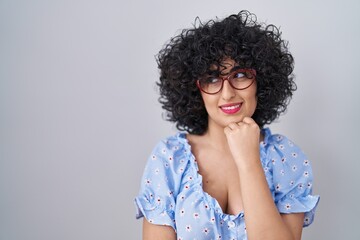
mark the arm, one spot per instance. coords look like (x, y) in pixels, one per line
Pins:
(263, 220)
(154, 202)
(157, 232)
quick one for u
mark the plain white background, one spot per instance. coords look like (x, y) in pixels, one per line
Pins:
(79, 113)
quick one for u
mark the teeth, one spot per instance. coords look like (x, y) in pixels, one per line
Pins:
(231, 107)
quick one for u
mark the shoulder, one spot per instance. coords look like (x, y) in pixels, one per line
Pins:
(170, 156)
(285, 161)
(171, 148)
(280, 146)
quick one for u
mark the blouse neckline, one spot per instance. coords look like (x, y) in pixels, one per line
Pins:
(213, 203)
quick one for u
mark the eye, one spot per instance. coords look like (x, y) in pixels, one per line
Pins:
(242, 73)
(210, 80)
(239, 75)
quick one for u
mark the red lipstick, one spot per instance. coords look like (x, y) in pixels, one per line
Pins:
(230, 108)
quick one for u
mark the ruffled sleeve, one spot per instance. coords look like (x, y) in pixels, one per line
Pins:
(161, 182)
(291, 177)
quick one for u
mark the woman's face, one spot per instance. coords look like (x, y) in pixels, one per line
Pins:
(229, 105)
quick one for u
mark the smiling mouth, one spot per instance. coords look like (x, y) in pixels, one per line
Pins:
(231, 108)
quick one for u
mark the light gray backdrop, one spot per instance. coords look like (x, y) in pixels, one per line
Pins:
(79, 112)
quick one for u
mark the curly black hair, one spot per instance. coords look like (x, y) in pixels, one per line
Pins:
(189, 55)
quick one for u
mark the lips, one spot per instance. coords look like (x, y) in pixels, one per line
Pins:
(230, 108)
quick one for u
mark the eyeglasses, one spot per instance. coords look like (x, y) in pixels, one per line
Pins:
(239, 79)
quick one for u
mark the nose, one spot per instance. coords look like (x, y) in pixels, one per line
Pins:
(227, 91)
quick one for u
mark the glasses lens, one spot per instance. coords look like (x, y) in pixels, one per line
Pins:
(210, 84)
(241, 78)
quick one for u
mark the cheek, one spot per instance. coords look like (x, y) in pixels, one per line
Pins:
(210, 103)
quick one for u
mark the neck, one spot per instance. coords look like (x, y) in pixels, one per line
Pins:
(216, 136)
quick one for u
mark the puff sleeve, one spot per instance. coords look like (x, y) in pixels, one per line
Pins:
(292, 178)
(160, 183)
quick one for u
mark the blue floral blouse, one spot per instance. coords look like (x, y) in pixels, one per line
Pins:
(171, 189)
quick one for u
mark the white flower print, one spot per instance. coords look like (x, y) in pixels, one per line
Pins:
(176, 148)
(292, 195)
(206, 206)
(309, 184)
(287, 206)
(170, 158)
(188, 228)
(306, 174)
(294, 154)
(278, 187)
(283, 159)
(282, 147)
(206, 231)
(157, 171)
(231, 224)
(290, 143)
(166, 165)
(153, 157)
(306, 162)
(170, 193)
(182, 212)
(147, 182)
(300, 186)
(181, 170)
(212, 220)
(158, 200)
(266, 169)
(294, 168)
(186, 187)
(163, 151)
(151, 221)
(307, 220)
(190, 178)
(196, 215)
(219, 237)
(292, 182)
(180, 238)
(182, 198)
(282, 172)
(273, 161)
(279, 137)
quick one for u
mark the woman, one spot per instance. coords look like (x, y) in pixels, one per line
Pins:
(221, 82)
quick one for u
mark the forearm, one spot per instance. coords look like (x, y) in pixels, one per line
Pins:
(157, 232)
(263, 221)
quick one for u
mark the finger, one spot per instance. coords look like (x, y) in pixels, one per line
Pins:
(233, 126)
(227, 130)
(248, 120)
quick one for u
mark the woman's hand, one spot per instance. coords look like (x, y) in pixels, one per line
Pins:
(243, 139)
